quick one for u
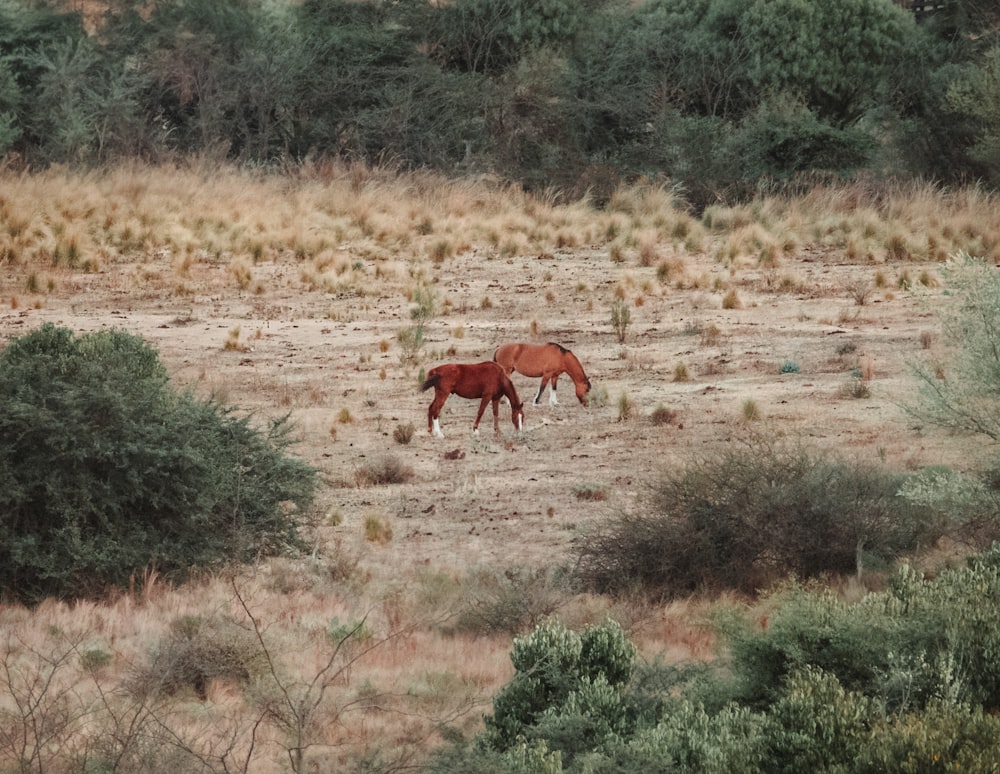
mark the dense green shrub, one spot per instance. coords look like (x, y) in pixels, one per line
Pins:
(902, 680)
(567, 687)
(105, 470)
(750, 515)
(919, 640)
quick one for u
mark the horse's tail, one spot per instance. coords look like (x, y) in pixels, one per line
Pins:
(495, 354)
(431, 381)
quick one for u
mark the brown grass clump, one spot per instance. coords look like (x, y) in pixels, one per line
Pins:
(387, 469)
(661, 415)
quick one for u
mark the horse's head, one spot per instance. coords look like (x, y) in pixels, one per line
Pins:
(517, 415)
(582, 390)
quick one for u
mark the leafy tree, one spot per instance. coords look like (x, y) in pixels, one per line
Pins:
(195, 54)
(105, 471)
(83, 107)
(24, 32)
(833, 55)
(490, 36)
(965, 394)
(637, 71)
(9, 98)
(976, 92)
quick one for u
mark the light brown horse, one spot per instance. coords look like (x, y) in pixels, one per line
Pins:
(547, 361)
(484, 380)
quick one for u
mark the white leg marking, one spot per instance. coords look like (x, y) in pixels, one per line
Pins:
(552, 398)
(437, 429)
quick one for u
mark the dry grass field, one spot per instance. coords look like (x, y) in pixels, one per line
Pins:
(288, 294)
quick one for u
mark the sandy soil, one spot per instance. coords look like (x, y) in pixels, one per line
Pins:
(476, 501)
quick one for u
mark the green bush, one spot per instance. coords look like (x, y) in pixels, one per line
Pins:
(751, 515)
(105, 470)
(919, 640)
(902, 680)
(567, 686)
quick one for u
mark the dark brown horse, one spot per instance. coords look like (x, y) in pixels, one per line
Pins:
(547, 361)
(485, 380)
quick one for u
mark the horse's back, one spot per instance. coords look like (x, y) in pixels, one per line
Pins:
(506, 356)
(530, 359)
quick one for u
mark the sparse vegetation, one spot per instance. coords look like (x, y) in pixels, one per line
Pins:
(331, 336)
(621, 318)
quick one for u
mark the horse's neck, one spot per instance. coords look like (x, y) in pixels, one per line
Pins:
(573, 368)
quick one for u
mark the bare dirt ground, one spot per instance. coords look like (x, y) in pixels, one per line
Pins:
(483, 501)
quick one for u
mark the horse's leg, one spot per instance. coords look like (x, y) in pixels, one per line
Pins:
(496, 414)
(553, 401)
(541, 389)
(433, 426)
(479, 414)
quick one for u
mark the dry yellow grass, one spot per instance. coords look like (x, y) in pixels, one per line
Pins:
(340, 248)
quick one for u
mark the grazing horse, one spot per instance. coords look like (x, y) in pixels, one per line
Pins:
(484, 380)
(547, 361)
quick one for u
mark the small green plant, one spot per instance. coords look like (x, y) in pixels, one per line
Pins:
(789, 367)
(510, 601)
(621, 318)
(410, 341)
(598, 397)
(558, 669)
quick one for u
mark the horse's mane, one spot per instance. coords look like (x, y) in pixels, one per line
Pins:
(560, 347)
